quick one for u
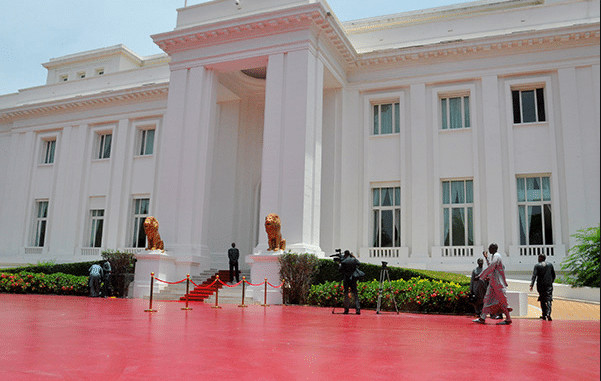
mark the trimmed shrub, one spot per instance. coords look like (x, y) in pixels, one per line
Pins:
(39, 283)
(78, 268)
(297, 271)
(122, 269)
(412, 295)
(328, 272)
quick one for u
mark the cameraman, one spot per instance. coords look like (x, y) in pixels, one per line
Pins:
(348, 266)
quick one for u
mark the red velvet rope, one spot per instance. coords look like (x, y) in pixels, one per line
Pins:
(230, 286)
(207, 286)
(252, 284)
(281, 284)
(164, 281)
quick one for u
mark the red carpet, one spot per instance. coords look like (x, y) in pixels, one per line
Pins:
(78, 338)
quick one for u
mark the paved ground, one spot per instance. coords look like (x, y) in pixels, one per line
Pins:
(565, 310)
(45, 337)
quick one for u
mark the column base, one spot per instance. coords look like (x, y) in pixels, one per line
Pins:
(265, 265)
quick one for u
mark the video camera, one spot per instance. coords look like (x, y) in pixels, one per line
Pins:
(338, 256)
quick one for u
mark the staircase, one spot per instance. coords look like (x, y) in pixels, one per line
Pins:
(199, 294)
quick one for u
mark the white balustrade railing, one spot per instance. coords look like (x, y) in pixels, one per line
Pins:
(457, 251)
(33, 250)
(535, 250)
(91, 251)
(384, 252)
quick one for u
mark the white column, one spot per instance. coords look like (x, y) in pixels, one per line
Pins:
(419, 175)
(291, 162)
(185, 162)
(572, 145)
(493, 214)
(118, 203)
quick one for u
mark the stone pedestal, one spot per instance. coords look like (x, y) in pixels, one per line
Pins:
(153, 261)
(265, 265)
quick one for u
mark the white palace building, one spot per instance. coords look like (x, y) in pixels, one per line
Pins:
(414, 138)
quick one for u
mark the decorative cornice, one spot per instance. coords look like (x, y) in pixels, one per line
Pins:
(517, 43)
(81, 102)
(250, 27)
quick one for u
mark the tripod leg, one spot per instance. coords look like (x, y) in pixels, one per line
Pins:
(393, 298)
(380, 292)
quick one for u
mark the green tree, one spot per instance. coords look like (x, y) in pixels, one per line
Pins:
(582, 265)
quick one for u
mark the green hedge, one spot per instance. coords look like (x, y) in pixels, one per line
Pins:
(328, 272)
(78, 268)
(413, 295)
(38, 283)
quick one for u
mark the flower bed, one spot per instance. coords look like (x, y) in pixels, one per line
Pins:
(35, 283)
(415, 295)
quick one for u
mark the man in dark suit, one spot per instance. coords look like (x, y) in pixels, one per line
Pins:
(544, 275)
(233, 255)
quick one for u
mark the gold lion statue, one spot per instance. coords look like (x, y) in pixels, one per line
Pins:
(274, 236)
(151, 228)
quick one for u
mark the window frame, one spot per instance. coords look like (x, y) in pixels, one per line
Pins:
(40, 223)
(376, 214)
(534, 87)
(94, 221)
(48, 147)
(395, 113)
(526, 203)
(100, 144)
(465, 206)
(444, 118)
(137, 222)
(141, 137)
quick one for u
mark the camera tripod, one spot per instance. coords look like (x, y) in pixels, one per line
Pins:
(384, 275)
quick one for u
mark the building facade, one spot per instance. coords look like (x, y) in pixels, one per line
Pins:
(415, 138)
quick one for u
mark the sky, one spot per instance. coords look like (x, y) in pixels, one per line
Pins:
(34, 31)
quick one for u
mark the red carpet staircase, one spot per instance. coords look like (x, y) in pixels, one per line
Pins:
(201, 293)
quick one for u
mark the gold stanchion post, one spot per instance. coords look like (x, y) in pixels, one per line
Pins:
(187, 292)
(265, 296)
(243, 288)
(151, 290)
(216, 295)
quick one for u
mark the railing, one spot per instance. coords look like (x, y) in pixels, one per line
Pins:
(33, 250)
(457, 251)
(384, 252)
(132, 250)
(90, 251)
(529, 251)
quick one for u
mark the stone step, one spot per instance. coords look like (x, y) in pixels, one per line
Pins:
(177, 291)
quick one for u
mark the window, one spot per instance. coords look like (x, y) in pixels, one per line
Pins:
(96, 221)
(81, 75)
(48, 148)
(534, 210)
(528, 105)
(455, 112)
(100, 71)
(63, 78)
(146, 141)
(458, 212)
(103, 146)
(41, 219)
(386, 118)
(140, 213)
(386, 211)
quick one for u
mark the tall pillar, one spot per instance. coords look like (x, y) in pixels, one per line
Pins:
(419, 177)
(492, 193)
(292, 136)
(185, 160)
(573, 159)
